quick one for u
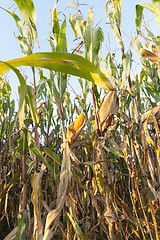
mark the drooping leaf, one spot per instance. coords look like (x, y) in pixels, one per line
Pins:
(63, 62)
(53, 155)
(22, 90)
(155, 39)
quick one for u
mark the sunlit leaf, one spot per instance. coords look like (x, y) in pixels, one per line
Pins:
(78, 25)
(23, 40)
(139, 12)
(63, 62)
(22, 90)
(88, 35)
(156, 9)
(29, 14)
(115, 31)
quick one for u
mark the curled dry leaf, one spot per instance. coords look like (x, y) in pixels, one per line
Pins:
(124, 118)
(149, 55)
(152, 56)
(109, 216)
(65, 178)
(108, 108)
(148, 115)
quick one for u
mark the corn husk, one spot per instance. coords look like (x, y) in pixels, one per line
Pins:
(108, 108)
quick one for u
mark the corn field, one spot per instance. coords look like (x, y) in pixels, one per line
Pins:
(88, 166)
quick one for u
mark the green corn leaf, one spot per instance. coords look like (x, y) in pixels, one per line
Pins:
(37, 152)
(78, 25)
(115, 30)
(55, 25)
(138, 18)
(55, 93)
(127, 62)
(97, 39)
(139, 12)
(28, 12)
(155, 39)
(22, 90)
(32, 104)
(156, 9)
(154, 93)
(62, 41)
(117, 12)
(21, 228)
(76, 226)
(113, 67)
(88, 35)
(53, 155)
(24, 42)
(63, 62)
(22, 145)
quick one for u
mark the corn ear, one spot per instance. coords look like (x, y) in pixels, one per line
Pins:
(74, 127)
(79, 121)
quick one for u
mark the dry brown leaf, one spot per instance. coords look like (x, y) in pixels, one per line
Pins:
(12, 235)
(62, 192)
(148, 115)
(124, 118)
(149, 55)
(109, 216)
(108, 108)
(38, 226)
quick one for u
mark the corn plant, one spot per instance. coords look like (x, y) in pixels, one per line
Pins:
(74, 168)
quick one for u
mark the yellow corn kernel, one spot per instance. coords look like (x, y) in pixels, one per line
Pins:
(79, 121)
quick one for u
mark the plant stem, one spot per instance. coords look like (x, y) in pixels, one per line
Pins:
(95, 112)
(35, 124)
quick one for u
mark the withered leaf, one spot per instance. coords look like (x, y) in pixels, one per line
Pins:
(149, 55)
(148, 115)
(108, 108)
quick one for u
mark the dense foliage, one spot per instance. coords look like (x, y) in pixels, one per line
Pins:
(71, 168)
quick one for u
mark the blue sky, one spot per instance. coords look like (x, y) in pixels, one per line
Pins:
(9, 46)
